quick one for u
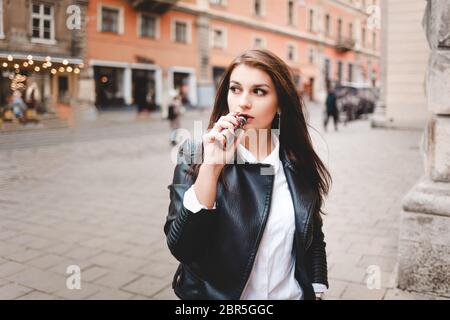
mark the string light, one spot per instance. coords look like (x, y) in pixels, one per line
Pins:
(25, 64)
(30, 62)
(61, 69)
(65, 62)
(16, 66)
(30, 57)
(69, 69)
(4, 65)
(81, 65)
(76, 70)
(48, 58)
(10, 58)
(37, 69)
(53, 71)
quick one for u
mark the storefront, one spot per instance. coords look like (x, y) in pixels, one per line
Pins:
(121, 85)
(42, 81)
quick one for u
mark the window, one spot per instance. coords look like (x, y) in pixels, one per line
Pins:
(290, 12)
(350, 72)
(339, 28)
(311, 20)
(258, 43)
(327, 24)
(374, 41)
(180, 32)
(110, 19)
(363, 37)
(257, 7)
(291, 53)
(148, 26)
(43, 22)
(327, 70)
(339, 67)
(218, 38)
(311, 55)
(350, 31)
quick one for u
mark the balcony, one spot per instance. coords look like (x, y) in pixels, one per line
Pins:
(155, 6)
(345, 44)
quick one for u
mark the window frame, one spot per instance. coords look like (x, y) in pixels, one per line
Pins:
(157, 25)
(295, 47)
(188, 30)
(42, 17)
(120, 27)
(294, 13)
(263, 41)
(224, 44)
(262, 9)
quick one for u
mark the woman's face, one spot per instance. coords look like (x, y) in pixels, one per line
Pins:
(252, 91)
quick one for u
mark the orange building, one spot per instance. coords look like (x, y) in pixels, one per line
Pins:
(141, 50)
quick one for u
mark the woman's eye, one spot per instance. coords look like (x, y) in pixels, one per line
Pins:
(260, 92)
(234, 89)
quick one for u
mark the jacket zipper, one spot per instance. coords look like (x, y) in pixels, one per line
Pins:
(258, 239)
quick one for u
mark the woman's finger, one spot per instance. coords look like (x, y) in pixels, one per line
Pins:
(223, 124)
(221, 138)
(209, 137)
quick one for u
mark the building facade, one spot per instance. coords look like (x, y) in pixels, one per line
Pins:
(140, 51)
(41, 47)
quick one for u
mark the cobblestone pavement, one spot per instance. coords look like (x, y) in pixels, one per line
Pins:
(96, 197)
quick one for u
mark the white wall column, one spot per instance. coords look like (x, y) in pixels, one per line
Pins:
(127, 86)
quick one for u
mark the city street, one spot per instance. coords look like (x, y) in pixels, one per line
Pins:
(97, 197)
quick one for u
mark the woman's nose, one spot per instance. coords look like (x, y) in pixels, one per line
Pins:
(244, 102)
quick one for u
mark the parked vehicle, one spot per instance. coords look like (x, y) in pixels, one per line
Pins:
(356, 100)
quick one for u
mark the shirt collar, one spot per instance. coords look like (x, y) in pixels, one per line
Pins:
(273, 158)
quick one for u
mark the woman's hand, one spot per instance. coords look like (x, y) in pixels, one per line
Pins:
(216, 151)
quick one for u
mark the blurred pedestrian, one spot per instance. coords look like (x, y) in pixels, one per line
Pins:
(331, 109)
(18, 105)
(174, 112)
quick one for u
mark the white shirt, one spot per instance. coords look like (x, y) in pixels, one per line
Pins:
(272, 276)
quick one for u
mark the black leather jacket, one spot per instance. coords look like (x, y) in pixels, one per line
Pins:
(217, 247)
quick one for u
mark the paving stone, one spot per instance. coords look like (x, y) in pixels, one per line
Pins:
(13, 291)
(37, 295)
(117, 279)
(109, 294)
(360, 292)
(44, 281)
(146, 286)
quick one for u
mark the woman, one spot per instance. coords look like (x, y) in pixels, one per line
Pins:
(246, 224)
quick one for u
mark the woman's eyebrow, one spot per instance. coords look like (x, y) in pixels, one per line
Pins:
(256, 85)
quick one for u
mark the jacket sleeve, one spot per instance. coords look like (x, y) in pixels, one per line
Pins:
(187, 233)
(316, 256)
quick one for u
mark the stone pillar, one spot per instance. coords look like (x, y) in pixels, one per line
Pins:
(424, 242)
(84, 105)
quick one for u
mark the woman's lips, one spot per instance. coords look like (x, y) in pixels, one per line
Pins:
(248, 117)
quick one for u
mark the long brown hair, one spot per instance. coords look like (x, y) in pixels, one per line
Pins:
(294, 136)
